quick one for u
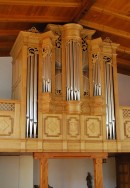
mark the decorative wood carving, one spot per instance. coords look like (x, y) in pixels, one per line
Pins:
(6, 125)
(7, 106)
(126, 113)
(93, 128)
(52, 127)
(73, 126)
(127, 129)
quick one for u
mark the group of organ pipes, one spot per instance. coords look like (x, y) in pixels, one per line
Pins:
(74, 67)
(32, 94)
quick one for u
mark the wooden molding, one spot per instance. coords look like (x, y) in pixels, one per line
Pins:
(84, 7)
(105, 28)
(52, 3)
(52, 155)
(8, 33)
(110, 13)
(34, 19)
(123, 62)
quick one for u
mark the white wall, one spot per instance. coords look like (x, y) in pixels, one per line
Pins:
(36, 172)
(5, 77)
(69, 172)
(16, 172)
(72, 172)
(124, 89)
(9, 172)
(109, 173)
(26, 172)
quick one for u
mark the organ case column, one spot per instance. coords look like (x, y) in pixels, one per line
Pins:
(71, 36)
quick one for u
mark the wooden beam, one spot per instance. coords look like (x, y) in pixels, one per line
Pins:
(84, 7)
(52, 3)
(6, 44)
(5, 53)
(123, 49)
(9, 32)
(53, 155)
(123, 70)
(44, 173)
(123, 62)
(123, 66)
(98, 173)
(34, 19)
(105, 28)
(111, 13)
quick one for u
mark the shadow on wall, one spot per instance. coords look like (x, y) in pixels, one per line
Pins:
(37, 186)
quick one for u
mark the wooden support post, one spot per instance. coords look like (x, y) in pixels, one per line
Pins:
(43, 173)
(97, 159)
(98, 177)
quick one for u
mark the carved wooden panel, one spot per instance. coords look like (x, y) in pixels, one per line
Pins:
(7, 106)
(73, 127)
(52, 127)
(93, 127)
(127, 129)
(85, 108)
(6, 125)
(126, 113)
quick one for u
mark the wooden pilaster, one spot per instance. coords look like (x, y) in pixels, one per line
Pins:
(98, 177)
(97, 159)
(43, 173)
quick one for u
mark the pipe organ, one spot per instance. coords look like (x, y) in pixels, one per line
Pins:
(65, 98)
(67, 85)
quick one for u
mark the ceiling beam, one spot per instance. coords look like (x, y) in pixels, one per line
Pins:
(104, 28)
(123, 49)
(123, 70)
(5, 45)
(84, 7)
(34, 19)
(8, 32)
(123, 66)
(110, 13)
(52, 3)
(123, 62)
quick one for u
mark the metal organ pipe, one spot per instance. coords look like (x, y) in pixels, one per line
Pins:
(110, 109)
(85, 67)
(58, 66)
(46, 70)
(31, 109)
(35, 91)
(72, 70)
(96, 75)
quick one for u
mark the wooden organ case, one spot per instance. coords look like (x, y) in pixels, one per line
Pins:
(66, 83)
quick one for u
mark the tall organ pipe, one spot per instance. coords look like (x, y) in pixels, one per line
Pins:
(31, 109)
(46, 70)
(58, 66)
(110, 109)
(96, 75)
(72, 70)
